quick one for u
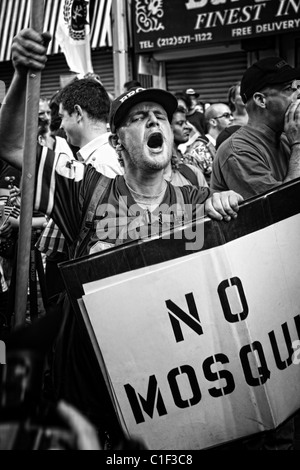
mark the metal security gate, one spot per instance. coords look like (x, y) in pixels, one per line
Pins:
(56, 67)
(210, 76)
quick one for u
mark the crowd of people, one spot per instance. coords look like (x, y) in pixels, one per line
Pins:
(99, 158)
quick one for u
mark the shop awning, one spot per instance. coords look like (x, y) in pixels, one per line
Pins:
(15, 15)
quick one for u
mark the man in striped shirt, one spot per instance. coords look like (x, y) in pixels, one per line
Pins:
(142, 136)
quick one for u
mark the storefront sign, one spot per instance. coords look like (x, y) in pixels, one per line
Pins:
(169, 24)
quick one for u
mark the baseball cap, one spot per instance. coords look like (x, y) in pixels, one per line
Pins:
(268, 71)
(192, 92)
(120, 106)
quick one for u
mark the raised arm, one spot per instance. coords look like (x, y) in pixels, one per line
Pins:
(28, 51)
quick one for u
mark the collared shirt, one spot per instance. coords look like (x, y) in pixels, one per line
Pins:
(99, 153)
(211, 139)
(251, 161)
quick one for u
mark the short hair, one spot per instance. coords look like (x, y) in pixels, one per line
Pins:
(44, 99)
(180, 109)
(210, 111)
(89, 94)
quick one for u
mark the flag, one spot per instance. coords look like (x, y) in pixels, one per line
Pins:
(9, 209)
(73, 35)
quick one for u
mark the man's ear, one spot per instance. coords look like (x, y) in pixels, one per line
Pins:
(260, 99)
(78, 110)
(115, 142)
(41, 140)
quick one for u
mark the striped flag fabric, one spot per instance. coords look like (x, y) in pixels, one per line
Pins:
(15, 15)
(10, 209)
(73, 35)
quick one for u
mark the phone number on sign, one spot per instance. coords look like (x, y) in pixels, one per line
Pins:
(178, 40)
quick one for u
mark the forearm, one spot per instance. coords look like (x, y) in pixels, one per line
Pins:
(37, 222)
(12, 122)
(28, 53)
(294, 164)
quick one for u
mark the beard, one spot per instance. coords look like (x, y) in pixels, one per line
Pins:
(146, 161)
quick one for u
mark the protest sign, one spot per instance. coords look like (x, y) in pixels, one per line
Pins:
(197, 348)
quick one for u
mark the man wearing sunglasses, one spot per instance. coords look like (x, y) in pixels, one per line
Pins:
(264, 153)
(202, 151)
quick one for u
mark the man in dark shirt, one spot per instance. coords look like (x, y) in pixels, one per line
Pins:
(260, 156)
(264, 153)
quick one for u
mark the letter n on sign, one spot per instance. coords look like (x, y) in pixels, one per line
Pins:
(191, 319)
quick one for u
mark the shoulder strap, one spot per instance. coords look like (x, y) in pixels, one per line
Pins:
(183, 209)
(101, 186)
(87, 220)
(188, 173)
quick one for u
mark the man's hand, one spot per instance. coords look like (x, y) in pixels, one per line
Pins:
(15, 196)
(292, 122)
(29, 50)
(224, 205)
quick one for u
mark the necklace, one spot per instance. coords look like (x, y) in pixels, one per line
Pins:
(147, 196)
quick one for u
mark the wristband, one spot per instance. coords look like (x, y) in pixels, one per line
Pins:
(295, 143)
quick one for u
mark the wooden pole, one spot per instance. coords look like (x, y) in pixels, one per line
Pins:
(28, 175)
(120, 46)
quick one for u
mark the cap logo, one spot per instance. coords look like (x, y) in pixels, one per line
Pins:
(281, 64)
(131, 93)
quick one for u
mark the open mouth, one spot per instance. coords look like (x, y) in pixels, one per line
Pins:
(155, 141)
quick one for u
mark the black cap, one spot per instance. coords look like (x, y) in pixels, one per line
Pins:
(120, 106)
(268, 71)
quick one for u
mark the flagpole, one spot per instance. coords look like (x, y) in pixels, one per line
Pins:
(28, 175)
(120, 46)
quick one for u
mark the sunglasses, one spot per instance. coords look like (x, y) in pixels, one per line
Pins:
(225, 115)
